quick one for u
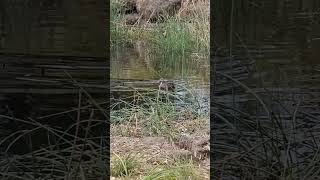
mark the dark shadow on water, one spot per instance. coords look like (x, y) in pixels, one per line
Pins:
(266, 95)
(55, 120)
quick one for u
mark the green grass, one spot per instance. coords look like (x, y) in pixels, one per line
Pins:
(177, 171)
(149, 116)
(123, 166)
(177, 35)
(128, 166)
(174, 37)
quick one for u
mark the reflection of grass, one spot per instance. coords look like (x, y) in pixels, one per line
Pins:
(161, 64)
(270, 144)
(65, 152)
(179, 34)
(68, 150)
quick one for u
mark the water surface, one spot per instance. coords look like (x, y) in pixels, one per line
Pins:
(134, 65)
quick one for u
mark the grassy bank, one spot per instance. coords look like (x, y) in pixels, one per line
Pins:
(153, 138)
(128, 167)
(147, 134)
(149, 116)
(185, 32)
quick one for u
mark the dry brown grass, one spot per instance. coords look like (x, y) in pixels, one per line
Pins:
(152, 153)
(194, 8)
(192, 22)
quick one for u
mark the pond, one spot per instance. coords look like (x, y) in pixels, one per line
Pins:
(267, 106)
(135, 68)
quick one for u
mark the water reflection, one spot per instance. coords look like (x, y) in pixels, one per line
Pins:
(271, 105)
(135, 62)
(135, 67)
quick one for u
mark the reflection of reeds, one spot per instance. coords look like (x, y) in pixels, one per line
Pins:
(156, 65)
(74, 152)
(269, 145)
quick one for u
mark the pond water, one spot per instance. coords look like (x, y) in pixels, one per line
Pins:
(283, 75)
(36, 90)
(134, 67)
(267, 107)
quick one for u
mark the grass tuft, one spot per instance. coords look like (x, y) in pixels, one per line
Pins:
(123, 166)
(186, 32)
(177, 171)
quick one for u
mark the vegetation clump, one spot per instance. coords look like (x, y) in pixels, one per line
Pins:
(185, 31)
(161, 128)
(161, 133)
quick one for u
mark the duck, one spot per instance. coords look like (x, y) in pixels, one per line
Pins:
(166, 86)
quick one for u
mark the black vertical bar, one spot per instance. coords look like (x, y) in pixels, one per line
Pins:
(213, 8)
(107, 124)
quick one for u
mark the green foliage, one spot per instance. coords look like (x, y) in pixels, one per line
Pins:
(177, 171)
(155, 117)
(178, 36)
(123, 166)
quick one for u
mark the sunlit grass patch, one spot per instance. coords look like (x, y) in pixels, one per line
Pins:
(177, 171)
(128, 166)
(123, 166)
(184, 33)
